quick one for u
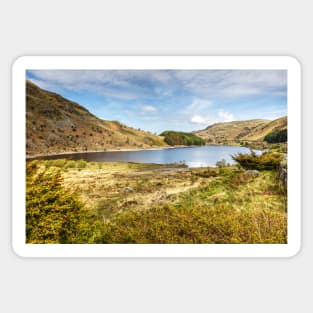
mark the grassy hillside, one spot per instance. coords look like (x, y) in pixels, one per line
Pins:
(261, 131)
(174, 138)
(55, 124)
(232, 132)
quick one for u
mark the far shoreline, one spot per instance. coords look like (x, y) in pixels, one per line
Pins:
(34, 157)
(31, 157)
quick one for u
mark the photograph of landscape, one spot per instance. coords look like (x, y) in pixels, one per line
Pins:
(156, 156)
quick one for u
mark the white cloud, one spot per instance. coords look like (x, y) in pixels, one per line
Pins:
(197, 119)
(220, 116)
(225, 116)
(149, 108)
(199, 105)
(232, 83)
(133, 84)
(198, 111)
(121, 84)
(239, 90)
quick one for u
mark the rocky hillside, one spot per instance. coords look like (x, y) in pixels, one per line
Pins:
(250, 130)
(55, 125)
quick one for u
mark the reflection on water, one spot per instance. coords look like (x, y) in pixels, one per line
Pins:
(191, 156)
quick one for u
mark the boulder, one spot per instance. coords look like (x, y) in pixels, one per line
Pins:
(250, 174)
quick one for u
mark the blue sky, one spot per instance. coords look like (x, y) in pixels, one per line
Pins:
(158, 100)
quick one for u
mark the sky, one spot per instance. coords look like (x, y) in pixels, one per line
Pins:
(182, 100)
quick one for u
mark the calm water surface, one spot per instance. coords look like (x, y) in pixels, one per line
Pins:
(192, 156)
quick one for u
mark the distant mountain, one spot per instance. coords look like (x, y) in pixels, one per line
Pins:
(55, 125)
(250, 130)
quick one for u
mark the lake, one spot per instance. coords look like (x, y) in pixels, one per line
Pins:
(191, 156)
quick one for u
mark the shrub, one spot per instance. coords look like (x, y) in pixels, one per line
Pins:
(81, 164)
(265, 161)
(207, 173)
(52, 214)
(57, 163)
(219, 224)
(70, 164)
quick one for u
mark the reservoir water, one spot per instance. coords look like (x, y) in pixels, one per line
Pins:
(191, 156)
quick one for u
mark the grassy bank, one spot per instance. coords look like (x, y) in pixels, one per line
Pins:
(147, 203)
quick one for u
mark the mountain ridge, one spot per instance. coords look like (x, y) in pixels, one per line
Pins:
(55, 125)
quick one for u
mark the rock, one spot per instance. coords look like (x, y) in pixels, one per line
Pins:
(250, 174)
(128, 189)
(163, 196)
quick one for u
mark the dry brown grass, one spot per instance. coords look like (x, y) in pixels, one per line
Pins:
(117, 186)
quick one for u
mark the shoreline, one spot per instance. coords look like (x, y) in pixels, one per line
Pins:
(100, 151)
(32, 157)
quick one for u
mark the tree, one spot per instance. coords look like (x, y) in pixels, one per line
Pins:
(276, 136)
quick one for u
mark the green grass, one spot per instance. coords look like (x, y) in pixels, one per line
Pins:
(210, 205)
(229, 210)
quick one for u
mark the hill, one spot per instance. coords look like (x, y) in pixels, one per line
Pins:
(55, 125)
(174, 138)
(261, 131)
(230, 131)
(249, 130)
